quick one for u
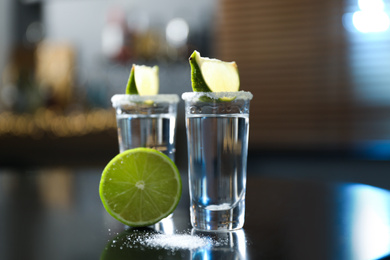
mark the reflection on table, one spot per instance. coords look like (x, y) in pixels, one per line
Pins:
(57, 214)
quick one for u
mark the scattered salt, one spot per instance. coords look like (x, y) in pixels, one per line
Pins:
(171, 242)
(177, 241)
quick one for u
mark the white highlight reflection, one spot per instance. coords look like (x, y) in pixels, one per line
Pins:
(371, 5)
(370, 18)
(369, 222)
(176, 32)
(112, 39)
(165, 226)
(373, 21)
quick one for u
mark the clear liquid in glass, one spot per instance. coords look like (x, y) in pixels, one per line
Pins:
(217, 149)
(155, 131)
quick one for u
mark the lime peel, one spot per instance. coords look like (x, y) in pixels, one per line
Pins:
(213, 75)
(143, 80)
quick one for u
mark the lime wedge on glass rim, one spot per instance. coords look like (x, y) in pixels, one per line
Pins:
(213, 75)
(139, 187)
(143, 80)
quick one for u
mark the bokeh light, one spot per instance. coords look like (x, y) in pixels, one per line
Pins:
(177, 31)
(371, 17)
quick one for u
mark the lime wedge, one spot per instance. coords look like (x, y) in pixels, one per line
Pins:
(139, 187)
(143, 80)
(212, 75)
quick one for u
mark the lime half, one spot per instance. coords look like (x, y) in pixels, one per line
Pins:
(141, 186)
(143, 80)
(212, 75)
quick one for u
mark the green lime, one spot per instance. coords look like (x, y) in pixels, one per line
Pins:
(212, 75)
(143, 81)
(141, 186)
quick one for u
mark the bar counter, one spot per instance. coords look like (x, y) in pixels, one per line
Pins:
(56, 213)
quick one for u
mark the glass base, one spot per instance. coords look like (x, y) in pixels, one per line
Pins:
(218, 220)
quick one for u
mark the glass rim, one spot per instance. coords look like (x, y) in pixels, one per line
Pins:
(242, 95)
(121, 99)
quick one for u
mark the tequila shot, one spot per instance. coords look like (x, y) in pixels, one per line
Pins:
(147, 121)
(217, 127)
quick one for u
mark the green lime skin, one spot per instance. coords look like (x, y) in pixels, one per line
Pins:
(131, 88)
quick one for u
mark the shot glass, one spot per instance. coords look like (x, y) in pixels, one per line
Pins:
(217, 127)
(147, 121)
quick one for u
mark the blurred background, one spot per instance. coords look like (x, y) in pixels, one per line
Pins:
(320, 75)
(319, 72)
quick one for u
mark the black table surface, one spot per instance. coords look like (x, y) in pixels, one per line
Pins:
(56, 213)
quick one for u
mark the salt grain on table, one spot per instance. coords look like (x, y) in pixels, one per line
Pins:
(178, 241)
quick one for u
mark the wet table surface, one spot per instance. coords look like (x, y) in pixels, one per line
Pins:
(56, 213)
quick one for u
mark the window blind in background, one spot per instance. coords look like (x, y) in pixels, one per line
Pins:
(316, 84)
